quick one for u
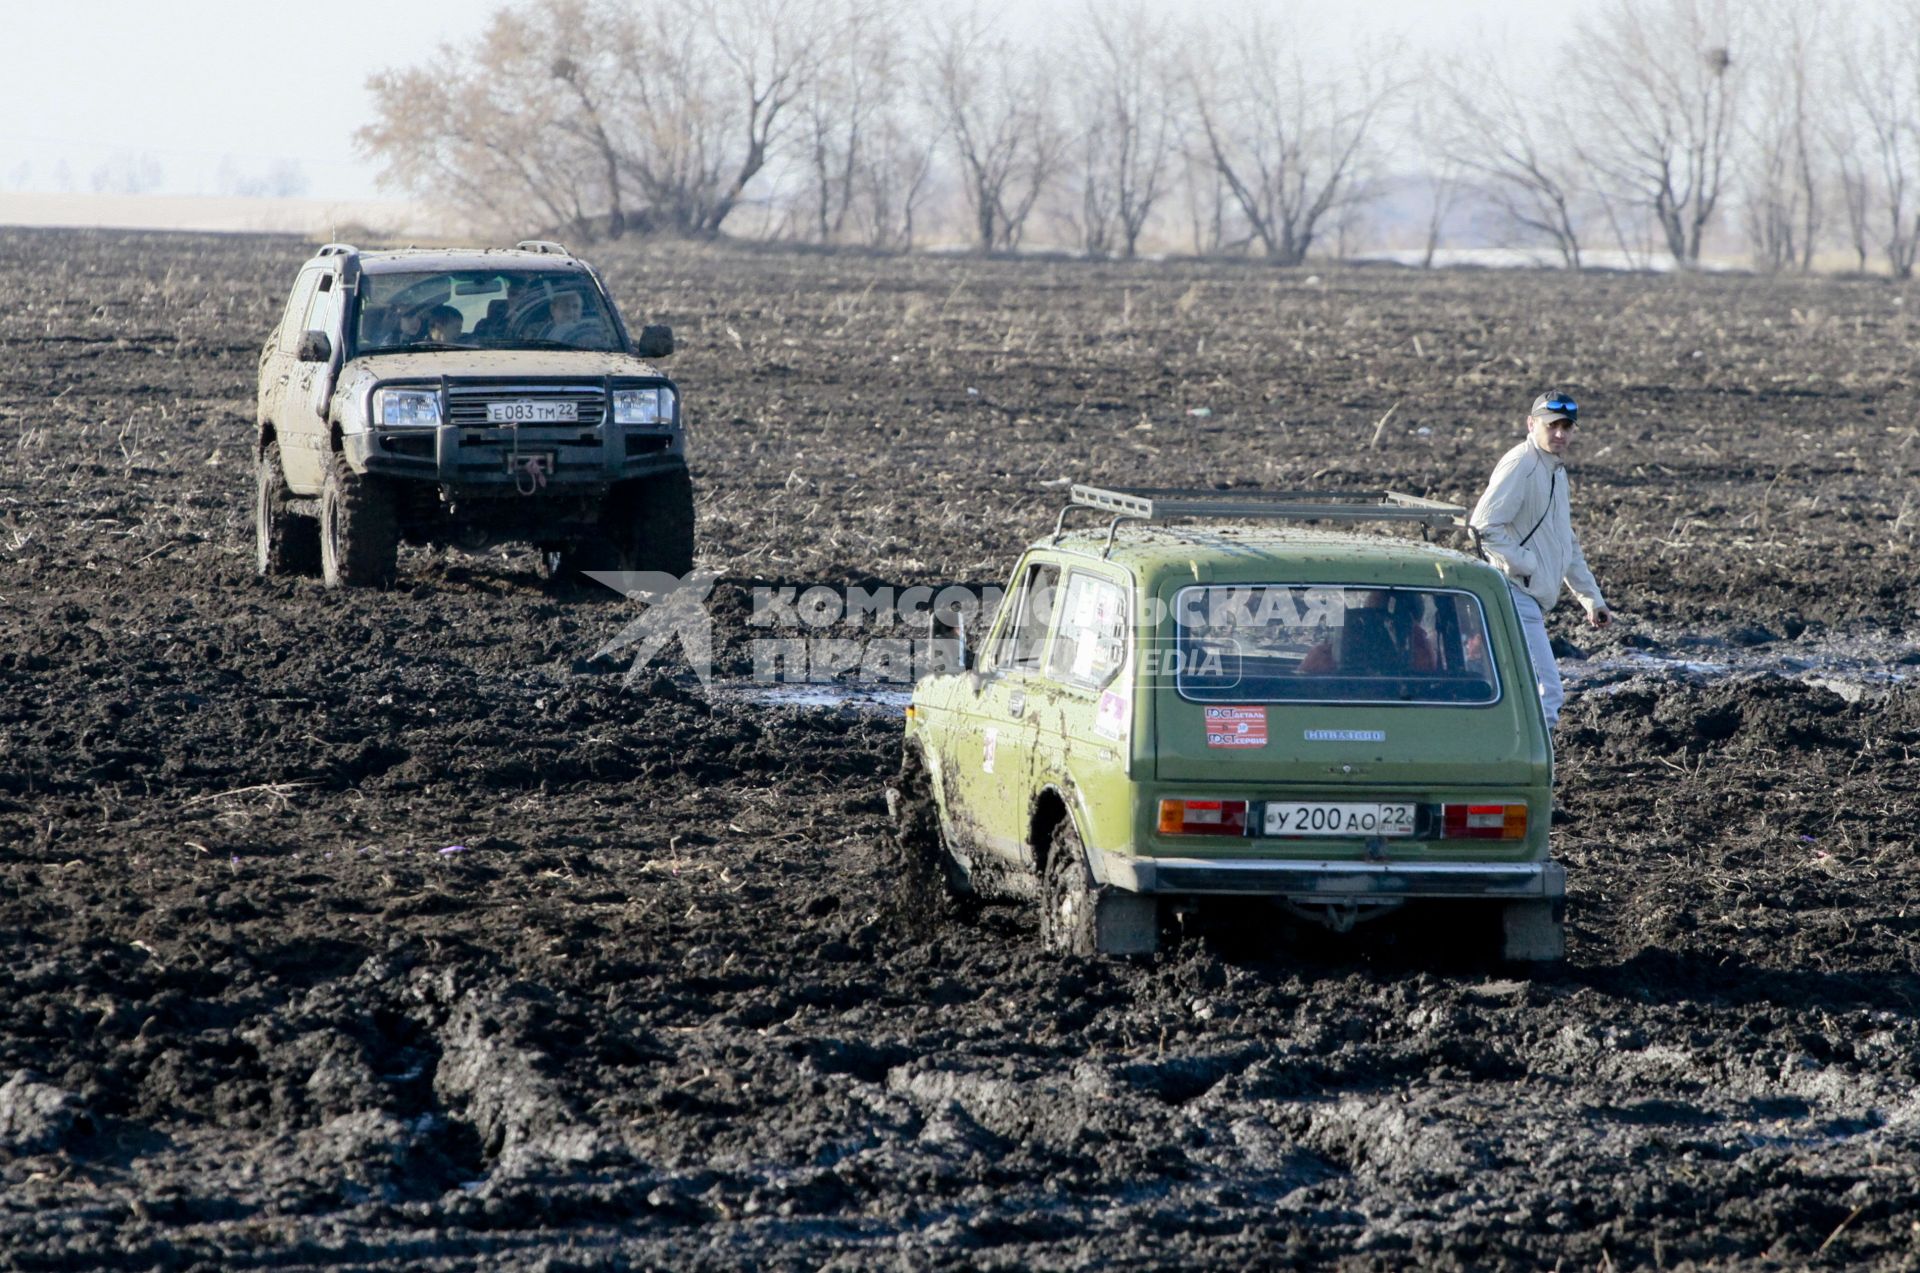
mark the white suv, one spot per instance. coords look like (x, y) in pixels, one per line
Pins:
(466, 397)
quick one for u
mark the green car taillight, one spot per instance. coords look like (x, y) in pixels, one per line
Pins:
(1203, 817)
(1483, 821)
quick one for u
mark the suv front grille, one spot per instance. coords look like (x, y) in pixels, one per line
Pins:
(467, 403)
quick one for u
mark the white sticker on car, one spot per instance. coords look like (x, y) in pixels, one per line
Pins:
(988, 745)
(1346, 735)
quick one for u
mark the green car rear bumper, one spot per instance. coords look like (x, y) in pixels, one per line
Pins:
(1334, 881)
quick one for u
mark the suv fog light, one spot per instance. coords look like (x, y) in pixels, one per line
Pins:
(1483, 821)
(1203, 817)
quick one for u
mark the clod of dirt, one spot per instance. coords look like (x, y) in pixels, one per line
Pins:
(37, 1117)
(1751, 636)
(487, 1068)
(1565, 649)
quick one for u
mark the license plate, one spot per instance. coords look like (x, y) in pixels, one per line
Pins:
(1328, 819)
(524, 412)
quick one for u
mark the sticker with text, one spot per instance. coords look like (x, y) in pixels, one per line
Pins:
(1110, 721)
(1236, 727)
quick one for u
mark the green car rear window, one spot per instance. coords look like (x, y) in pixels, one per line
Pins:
(1332, 643)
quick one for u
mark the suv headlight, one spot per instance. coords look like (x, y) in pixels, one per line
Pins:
(406, 408)
(643, 406)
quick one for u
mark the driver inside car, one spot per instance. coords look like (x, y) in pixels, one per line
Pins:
(1381, 637)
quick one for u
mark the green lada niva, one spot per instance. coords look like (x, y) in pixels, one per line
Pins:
(1181, 705)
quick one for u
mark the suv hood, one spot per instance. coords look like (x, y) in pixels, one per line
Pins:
(478, 363)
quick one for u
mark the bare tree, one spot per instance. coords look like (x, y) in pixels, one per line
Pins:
(1444, 186)
(1125, 125)
(482, 131)
(128, 172)
(770, 48)
(1856, 196)
(1663, 86)
(1783, 169)
(1285, 132)
(1206, 198)
(857, 84)
(996, 104)
(564, 111)
(1519, 144)
(1881, 158)
(894, 180)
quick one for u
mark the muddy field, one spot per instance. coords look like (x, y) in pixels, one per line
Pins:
(394, 930)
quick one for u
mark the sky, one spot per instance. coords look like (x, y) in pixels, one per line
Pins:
(233, 96)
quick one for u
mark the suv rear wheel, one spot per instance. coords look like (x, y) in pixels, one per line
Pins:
(359, 533)
(284, 543)
(1081, 917)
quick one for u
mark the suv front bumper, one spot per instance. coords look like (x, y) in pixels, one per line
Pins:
(1333, 881)
(464, 456)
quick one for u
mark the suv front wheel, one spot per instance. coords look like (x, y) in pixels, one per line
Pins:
(284, 543)
(359, 532)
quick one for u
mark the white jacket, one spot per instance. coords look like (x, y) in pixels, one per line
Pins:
(1528, 499)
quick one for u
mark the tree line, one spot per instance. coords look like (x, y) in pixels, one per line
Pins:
(1788, 128)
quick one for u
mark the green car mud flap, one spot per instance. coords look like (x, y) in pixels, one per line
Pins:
(1126, 923)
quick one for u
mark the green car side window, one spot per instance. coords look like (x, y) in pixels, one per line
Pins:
(1023, 640)
(1091, 641)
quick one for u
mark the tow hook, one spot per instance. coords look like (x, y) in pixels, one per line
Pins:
(529, 473)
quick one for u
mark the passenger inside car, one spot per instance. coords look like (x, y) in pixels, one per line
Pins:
(443, 325)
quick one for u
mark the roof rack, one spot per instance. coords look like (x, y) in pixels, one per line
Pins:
(337, 249)
(1154, 504)
(547, 246)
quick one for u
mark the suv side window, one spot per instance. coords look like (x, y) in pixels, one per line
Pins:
(297, 304)
(1091, 643)
(1024, 639)
(320, 311)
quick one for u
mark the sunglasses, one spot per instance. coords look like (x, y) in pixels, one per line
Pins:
(1564, 406)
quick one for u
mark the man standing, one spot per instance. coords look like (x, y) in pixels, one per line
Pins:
(1525, 526)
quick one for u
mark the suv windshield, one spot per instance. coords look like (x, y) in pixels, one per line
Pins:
(1318, 643)
(482, 309)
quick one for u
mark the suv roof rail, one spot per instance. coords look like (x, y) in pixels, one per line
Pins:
(337, 249)
(543, 245)
(1155, 504)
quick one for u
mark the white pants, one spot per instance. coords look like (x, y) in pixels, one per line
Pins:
(1546, 672)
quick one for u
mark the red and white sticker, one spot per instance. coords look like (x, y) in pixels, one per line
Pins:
(1236, 726)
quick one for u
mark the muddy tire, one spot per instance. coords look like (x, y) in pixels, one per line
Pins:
(284, 543)
(658, 522)
(927, 874)
(1081, 917)
(359, 531)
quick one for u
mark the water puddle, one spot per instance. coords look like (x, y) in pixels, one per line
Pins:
(868, 700)
(1851, 666)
